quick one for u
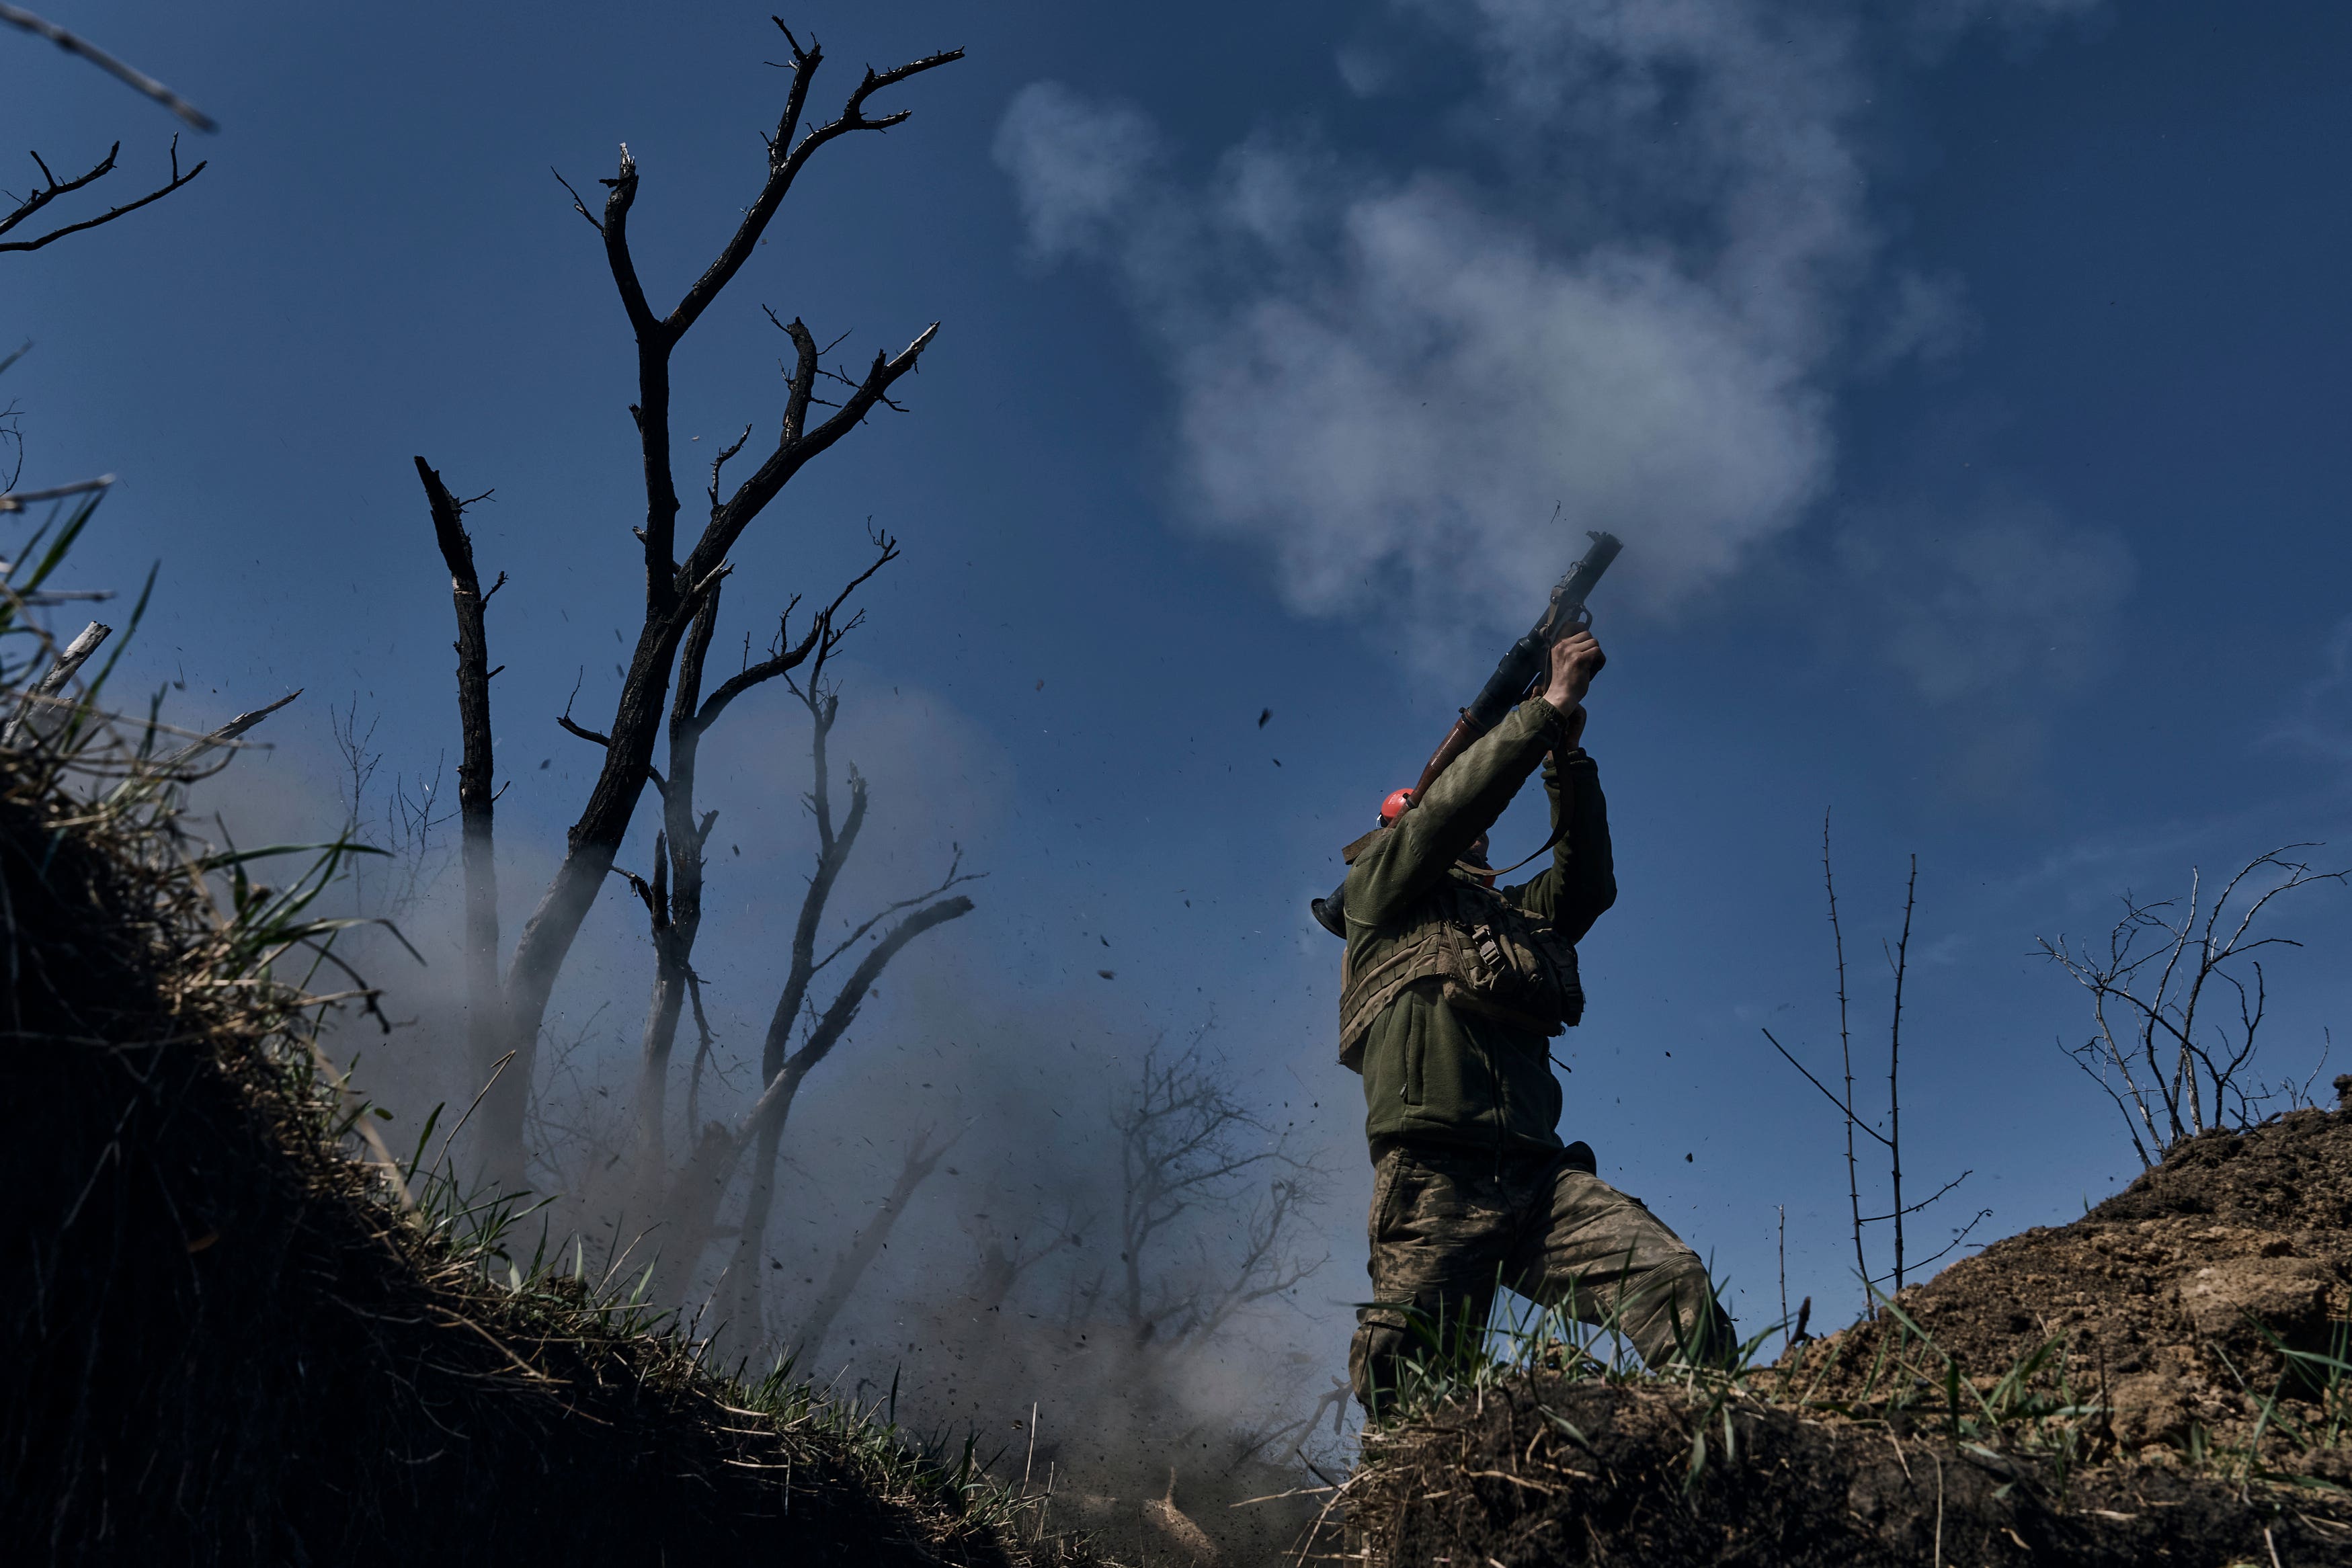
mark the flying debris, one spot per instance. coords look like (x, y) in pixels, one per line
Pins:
(1263, 715)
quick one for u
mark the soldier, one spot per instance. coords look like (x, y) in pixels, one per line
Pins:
(1449, 994)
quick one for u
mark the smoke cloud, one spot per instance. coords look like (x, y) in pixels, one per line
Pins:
(1628, 300)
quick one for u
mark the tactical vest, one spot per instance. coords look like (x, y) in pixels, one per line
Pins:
(1486, 954)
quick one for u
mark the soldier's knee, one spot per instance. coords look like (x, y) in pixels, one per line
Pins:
(1702, 1331)
(1376, 1355)
(1674, 1316)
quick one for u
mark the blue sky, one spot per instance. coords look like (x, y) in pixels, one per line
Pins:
(1968, 388)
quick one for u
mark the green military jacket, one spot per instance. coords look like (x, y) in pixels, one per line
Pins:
(1434, 1069)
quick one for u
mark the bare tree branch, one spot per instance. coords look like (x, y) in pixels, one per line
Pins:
(823, 633)
(599, 736)
(1893, 1058)
(54, 189)
(139, 80)
(1832, 1099)
(2187, 1058)
(1186, 1143)
(786, 160)
(954, 878)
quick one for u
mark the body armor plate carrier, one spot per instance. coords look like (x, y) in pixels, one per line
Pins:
(1486, 954)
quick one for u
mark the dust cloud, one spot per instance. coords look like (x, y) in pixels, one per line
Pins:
(1035, 1218)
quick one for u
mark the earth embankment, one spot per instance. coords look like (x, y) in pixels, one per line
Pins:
(222, 1340)
(2162, 1381)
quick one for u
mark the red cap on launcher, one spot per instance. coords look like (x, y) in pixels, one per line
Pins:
(1393, 807)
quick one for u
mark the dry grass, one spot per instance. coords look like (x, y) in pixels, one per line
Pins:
(240, 1328)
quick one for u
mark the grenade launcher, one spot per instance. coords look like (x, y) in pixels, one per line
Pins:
(1518, 677)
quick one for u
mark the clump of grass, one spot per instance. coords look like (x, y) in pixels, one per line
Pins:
(331, 1351)
(1456, 1362)
(2317, 1422)
(2033, 1422)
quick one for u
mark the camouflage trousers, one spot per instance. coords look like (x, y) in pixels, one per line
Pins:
(1449, 1225)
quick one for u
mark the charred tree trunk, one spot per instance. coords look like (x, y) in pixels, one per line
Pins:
(677, 860)
(487, 1031)
(674, 897)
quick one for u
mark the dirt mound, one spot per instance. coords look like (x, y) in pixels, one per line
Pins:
(1548, 1471)
(2170, 1300)
(219, 1343)
(2161, 1381)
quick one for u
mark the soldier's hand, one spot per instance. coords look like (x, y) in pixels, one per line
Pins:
(1575, 660)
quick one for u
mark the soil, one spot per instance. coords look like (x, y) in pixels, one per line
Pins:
(2159, 1317)
(219, 1345)
(2170, 1297)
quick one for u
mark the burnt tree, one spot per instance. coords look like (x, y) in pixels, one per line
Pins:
(695, 1193)
(677, 585)
(673, 895)
(486, 1034)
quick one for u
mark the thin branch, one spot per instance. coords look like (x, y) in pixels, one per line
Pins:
(785, 165)
(837, 1018)
(52, 188)
(1878, 1218)
(1845, 1054)
(889, 909)
(796, 450)
(1958, 1238)
(645, 893)
(130, 76)
(2109, 1090)
(721, 462)
(822, 634)
(566, 721)
(40, 199)
(705, 1039)
(1893, 1060)
(578, 205)
(1826, 1094)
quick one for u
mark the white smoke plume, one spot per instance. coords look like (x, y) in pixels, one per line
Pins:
(1632, 298)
